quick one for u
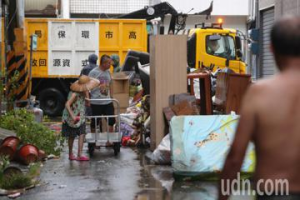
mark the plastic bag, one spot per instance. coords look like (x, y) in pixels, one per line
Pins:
(162, 154)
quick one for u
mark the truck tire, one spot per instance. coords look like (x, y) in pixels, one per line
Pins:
(52, 101)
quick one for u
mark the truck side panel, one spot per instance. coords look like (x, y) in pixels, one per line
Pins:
(64, 46)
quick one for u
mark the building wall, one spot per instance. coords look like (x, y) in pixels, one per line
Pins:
(281, 8)
(38, 4)
(106, 6)
(221, 7)
(263, 4)
(291, 7)
(42, 8)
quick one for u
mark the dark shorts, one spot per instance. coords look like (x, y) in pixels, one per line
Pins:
(99, 110)
(68, 131)
(291, 196)
(88, 111)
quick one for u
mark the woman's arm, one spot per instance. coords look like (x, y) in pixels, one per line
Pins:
(68, 105)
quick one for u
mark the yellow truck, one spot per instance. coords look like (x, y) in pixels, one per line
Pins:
(63, 47)
(228, 41)
(213, 47)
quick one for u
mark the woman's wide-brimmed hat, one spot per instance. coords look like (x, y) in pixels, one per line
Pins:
(84, 83)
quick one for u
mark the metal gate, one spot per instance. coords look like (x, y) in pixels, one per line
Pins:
(267, 64)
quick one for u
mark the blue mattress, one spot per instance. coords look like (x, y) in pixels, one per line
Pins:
(200, 144)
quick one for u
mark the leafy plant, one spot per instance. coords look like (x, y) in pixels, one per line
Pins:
(4, 162)
(14, 85)
(13, 181)
(16, 181)
(46, 119)
(31, 132)
(34, 169)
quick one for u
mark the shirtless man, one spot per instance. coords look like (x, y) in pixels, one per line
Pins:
(270, 117)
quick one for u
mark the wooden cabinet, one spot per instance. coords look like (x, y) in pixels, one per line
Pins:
(230, 91)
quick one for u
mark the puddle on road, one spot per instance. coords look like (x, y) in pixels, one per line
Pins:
(157, 183)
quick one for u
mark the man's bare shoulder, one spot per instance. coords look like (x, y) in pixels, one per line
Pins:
(262, 87)
(257, 88)
(258, 93)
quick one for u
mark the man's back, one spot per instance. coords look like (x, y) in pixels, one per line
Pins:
(277, 133)
(270, 116)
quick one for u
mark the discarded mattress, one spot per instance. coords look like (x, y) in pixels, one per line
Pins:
(200, 144)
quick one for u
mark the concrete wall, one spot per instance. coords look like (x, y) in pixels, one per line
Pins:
(282, 7)
(263, 4)
(106, 6)
(221, 7)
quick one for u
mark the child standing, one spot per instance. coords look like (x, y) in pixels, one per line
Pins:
(74, 115)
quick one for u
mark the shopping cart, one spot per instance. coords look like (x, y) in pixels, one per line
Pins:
(98, 138)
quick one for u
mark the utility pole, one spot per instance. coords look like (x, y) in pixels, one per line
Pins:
(11, 23)
(16, 53)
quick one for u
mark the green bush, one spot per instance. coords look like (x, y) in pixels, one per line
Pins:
(31, 132)
(16, 180)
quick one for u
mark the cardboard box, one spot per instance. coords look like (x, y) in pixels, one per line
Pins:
(122, 110)
(120, 83)
(120, 76)
(123, 99)
(120, 86)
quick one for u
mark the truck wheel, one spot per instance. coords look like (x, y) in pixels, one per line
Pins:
(52, 101)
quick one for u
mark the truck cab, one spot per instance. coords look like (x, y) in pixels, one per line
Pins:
(214, 47)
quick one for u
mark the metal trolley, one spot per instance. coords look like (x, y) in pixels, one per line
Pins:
(98, 138)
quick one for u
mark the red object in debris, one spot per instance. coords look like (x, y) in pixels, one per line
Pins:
(125, 140)
(9, 146)
(28, 154)
(77, 118)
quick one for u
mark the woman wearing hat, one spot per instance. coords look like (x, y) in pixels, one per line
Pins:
(74, 115)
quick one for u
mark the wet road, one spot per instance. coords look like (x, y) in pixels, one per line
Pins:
(127, 176)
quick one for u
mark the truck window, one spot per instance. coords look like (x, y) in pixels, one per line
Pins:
(224, 47)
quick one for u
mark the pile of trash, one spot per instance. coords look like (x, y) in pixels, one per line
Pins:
(179, 105)
(135, 123)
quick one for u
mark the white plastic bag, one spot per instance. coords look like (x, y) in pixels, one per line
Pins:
(162, 154)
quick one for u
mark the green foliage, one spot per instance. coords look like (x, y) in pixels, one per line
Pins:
(14, 85)
(16, 181)
(1, 88)
(14, 80)
(4, 162)
(31, 132)
(34, 169)
(46, 119)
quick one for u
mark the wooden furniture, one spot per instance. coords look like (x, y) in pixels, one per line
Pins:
(230, 91)
(205, 91)
(168, 75)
